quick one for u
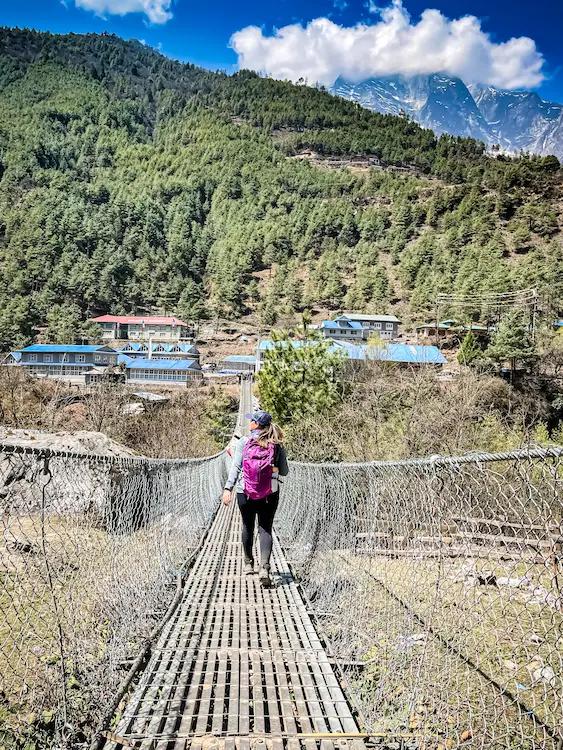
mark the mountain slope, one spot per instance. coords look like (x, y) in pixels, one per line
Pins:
(514, 120)
(522, 120)
(130, 182)
(438, 102)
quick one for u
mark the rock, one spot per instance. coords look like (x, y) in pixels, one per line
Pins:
(487, 578)
(406, 642)
(513, 582)
(540, 595)
(544, 674)
(80, 441)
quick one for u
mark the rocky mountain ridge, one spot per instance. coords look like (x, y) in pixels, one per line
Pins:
(510, 121)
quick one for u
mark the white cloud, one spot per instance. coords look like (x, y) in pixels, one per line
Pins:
(157, 11)
(323, 50)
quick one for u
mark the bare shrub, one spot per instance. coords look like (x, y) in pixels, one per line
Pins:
(394, 413)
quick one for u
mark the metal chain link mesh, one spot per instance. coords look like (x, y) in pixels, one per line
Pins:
(438, 584)
(89, 549)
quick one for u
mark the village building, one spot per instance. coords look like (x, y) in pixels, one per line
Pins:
(342, 330)
(235, 363)
(149, 350)
(12, 358)
(100, 364)
(400, 354)
(104, 376)
(362, 354)
(162, 371)
(387, 326)
(142, 328)
(63, 360)
(360, 326)
(451, 326)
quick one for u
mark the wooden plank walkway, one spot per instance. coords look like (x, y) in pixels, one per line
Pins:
(237, 666)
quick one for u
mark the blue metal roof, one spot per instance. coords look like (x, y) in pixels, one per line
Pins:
(142, 363)
(16, 356)
(246, 358)
(157, 347)
(355, 352)
(123, 359)
(67, 348)
(342, 324)
(266, 344)
(402, 353)
(57, 366)
(558, 323)
(407, 353)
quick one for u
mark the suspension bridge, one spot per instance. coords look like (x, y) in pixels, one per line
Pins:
(416, 604)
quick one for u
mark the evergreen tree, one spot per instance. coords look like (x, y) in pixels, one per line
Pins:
(64, 324)
(512, 342)
(299, 376)
(125, 183)
(469, 350)
(190, 305)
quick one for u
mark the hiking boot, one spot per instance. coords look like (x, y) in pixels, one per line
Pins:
(248, 567)
(264, 576)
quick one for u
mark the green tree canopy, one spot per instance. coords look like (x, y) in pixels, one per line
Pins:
(299, 376)
(133, 182)
(469, 350)
(512, 341)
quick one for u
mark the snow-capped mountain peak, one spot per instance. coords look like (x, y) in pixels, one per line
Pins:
(513, 120)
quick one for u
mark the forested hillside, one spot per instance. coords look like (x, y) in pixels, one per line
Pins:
(132, 182)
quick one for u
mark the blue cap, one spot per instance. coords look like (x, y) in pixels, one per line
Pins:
(260, 417)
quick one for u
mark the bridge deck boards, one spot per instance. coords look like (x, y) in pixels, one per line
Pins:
(237, 667)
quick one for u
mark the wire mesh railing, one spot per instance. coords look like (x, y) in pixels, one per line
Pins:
(90, 548)
(439, 586)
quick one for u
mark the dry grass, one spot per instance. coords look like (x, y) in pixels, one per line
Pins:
(193, 422)
(78, 578)
(436, 642)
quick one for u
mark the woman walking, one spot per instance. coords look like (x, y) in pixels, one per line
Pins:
(257, 463)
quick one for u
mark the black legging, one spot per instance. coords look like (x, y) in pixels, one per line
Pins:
(265, 509)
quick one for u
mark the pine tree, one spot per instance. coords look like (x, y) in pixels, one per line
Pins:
(299, 376)
(512, 342)
(469, 350)
(190, 305)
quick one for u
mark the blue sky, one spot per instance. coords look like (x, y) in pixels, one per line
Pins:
(201, 32)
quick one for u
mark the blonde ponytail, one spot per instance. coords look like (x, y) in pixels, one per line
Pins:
(270, 434)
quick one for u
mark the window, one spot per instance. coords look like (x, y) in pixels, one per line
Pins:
(377, 325)
(33, 357)
(389, 326)
(81, 358)
(47, 358)
(97, 357)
